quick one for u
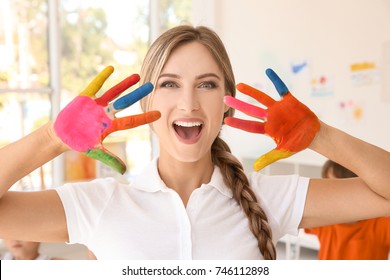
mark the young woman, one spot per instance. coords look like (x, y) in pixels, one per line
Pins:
(194, 201)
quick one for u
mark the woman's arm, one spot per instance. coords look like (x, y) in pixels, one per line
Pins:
(331, 201)
(20, 158)
(37, 216)
(295, 127)
(369, 162)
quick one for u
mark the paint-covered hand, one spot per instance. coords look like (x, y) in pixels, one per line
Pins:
(288, 122)
(86, 121)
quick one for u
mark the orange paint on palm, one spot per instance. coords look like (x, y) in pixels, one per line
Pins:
(291, 124)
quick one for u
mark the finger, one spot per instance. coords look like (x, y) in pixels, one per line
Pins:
(271, 157)
(246, 108)
(105, 156)
(132, 121)
(116, 90)
(134, 96)
(256, 94)
(250, 126)
(278, 83)
(97, 82)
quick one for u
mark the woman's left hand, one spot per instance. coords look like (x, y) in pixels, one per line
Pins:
(291, 124)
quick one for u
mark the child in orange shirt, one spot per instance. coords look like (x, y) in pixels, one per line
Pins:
(363, 240)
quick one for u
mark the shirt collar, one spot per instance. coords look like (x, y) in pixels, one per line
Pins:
(149, 180)
(218, 183)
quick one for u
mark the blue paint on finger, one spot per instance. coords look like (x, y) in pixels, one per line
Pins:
(132, 97)
(278, 83)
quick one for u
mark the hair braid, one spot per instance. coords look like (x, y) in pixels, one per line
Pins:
(237, 181)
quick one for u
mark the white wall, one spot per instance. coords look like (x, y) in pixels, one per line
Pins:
(329, 36)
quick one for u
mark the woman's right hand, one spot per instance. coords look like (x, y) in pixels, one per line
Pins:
(86, 121)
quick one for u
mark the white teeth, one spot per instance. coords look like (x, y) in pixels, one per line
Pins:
(187, 124)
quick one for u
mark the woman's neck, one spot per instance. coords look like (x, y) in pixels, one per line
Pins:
(185, 177)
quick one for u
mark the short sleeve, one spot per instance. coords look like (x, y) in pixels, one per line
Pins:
(283, 199)
(384, 224)
(83, 205)
(315, 230)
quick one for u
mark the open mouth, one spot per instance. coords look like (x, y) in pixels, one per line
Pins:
(188, 132)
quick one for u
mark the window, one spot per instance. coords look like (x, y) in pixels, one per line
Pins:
(100, 33)
(93, 34)
(24, 77)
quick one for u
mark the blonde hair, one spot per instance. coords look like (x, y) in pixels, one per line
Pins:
(231, 168)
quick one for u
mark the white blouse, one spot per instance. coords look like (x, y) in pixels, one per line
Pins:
(147, 220)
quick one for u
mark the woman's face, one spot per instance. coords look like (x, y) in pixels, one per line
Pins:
(189, 94)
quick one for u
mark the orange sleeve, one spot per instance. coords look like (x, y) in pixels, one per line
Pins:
(314, 230)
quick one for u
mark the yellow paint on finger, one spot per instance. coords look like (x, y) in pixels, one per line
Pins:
(97, 82)
(271, 157)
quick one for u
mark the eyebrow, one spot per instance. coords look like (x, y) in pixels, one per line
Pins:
(169, 75)
(202, 76)
(207, 75)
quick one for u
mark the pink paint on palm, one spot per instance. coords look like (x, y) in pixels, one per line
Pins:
(81, 123)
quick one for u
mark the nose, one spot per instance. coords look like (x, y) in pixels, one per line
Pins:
(188, 101)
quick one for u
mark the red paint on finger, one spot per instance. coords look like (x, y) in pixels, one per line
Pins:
(116, 90)
(249, 126)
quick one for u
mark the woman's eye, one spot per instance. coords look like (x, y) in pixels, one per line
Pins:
(208, 85)
(168, 84)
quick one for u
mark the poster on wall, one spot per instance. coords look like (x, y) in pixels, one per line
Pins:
(365, 73)
(305, 81)
(321, 86)
(300, 77)
(350, 110)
